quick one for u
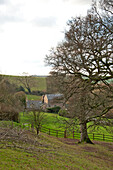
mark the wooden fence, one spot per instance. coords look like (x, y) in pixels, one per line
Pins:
(68, 134)
(72, 134)
(75, 135)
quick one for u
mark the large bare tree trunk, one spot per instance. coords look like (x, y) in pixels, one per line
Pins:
(84, 135)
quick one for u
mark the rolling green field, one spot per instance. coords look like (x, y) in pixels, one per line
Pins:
(41, 82)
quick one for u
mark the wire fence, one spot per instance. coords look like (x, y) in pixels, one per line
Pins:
(76, 135)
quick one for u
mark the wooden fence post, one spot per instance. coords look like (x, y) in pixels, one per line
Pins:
(65, 134)
(73, 135)
(57, 133)
(103, 137)
(49, 131)
(93, 136)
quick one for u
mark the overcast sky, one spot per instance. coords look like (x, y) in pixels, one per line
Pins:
(29, 28)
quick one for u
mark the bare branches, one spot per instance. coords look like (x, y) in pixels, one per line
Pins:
(27, 82)
(83, 64)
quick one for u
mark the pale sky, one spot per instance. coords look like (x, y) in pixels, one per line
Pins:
(28, 30)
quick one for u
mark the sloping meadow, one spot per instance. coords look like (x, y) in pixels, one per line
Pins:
(22, 149)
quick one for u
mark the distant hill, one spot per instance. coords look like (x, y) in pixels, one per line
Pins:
(39, 75)
(39, 80)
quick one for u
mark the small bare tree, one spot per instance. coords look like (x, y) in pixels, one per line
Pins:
(38, 120)
(27, 81)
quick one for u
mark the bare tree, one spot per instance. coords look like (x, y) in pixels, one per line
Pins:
(89, 106)
(38, 120)
(27, 81)
(83, 64)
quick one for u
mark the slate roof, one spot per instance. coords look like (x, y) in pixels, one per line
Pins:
(33, 104)
(52, 96)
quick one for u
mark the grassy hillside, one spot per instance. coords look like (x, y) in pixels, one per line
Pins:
(33, 97)
(41, 82)
(25, 150)
(50, 120)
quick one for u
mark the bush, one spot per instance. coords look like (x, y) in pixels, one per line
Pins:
(38, 93)
(54, 109)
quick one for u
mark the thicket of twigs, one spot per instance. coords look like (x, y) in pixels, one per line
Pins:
(18, 138)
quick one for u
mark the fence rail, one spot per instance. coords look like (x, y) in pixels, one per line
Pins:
(66, 133)
(76, 135)
(73, 134)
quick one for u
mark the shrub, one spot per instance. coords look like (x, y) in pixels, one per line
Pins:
(54, 109)
(38, 93)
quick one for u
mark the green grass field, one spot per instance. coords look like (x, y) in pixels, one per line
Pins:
(51, 153)
(33, 97)
(41, 82)
(50, 120)
(22, 149)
